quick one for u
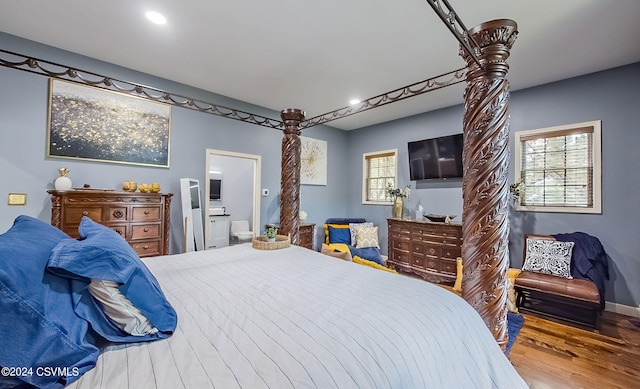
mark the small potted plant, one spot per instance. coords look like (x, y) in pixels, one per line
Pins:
(271, 233)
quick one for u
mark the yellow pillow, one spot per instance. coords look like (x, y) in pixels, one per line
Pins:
(365, 262)
(458, 285)
(366, 237)
(511, 292)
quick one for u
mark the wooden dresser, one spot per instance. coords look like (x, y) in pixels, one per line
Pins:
(306, 233)
(426, 249)
(142, 219)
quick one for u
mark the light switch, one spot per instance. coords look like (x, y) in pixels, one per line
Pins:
(17, 199)
(265, 192)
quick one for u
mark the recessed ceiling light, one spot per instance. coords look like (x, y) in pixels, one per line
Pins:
(354, 101)
(156, 17)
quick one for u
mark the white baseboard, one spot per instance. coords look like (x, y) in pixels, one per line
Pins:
(622, 309)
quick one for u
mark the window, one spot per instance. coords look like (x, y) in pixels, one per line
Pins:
(378, 168)
(560, 168)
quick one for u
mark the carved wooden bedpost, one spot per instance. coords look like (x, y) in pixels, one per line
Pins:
(485, 189)
(290, 175)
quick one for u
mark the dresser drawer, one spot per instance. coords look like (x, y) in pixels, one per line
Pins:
(400, 244)
(121, 229)
(117, 214)
(147, 249)
(425, 250)
(451, 252)
(417, 261)
(145, 231)
(73, 215)
(400, 256)
(432, 264)
(448, 267)
(146, 213)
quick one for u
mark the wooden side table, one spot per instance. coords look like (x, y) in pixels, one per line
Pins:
(307, 232)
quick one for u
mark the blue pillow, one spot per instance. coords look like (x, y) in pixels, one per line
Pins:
(102, 254)
(39, 326)
(369, 253)
(339, 235)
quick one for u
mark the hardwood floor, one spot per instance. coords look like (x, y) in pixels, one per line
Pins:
(553, 355)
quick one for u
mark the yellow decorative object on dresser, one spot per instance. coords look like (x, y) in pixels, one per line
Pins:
(129, 186)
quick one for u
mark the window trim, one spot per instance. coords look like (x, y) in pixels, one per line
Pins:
(596, 150)
(365, 176)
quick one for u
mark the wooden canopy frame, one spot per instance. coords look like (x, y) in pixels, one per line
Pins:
(485, 189)
(485, 226)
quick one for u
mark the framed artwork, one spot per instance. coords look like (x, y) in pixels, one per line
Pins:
(313, 161)
(100, 125)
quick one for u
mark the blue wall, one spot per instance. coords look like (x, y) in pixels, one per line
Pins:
(610, 96)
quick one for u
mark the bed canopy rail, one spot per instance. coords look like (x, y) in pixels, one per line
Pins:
(415, 89)
(63, 72)
(450, 18)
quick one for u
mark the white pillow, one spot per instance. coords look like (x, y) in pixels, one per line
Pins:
(548, 257)
(352, 230)
(120, 309)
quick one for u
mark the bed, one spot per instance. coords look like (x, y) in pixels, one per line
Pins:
(294, 318)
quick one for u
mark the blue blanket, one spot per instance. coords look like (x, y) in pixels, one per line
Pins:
(38, 327)
(589, 260)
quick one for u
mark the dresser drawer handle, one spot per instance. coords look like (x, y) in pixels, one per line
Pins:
(146, 229)
(146, 212)
(118, 214)
(118, 231)
(85, 213)
(145, 247)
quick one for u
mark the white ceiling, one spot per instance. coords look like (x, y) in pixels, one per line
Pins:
(317, 55)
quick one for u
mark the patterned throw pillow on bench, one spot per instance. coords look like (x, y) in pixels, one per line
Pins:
(549, 257)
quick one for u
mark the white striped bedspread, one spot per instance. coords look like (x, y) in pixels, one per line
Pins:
(295, 318)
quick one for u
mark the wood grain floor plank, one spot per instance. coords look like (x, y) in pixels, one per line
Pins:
(553, 355)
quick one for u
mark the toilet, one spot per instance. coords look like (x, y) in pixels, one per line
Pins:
(240, 230)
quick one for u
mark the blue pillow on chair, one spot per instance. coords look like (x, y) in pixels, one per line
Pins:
(339, 235)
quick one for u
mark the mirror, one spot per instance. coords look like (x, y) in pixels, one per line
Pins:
(237, 178)
(192, 214)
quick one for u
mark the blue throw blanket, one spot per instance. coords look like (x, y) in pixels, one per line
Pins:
(589, 260)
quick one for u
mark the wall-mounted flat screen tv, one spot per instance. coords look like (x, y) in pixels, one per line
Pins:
(436, 158)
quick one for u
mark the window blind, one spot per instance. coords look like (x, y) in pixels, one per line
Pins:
(380, 169)
(557, 168)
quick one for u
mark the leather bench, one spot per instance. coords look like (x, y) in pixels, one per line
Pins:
(576, 301)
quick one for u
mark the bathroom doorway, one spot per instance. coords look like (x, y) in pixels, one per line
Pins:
(232, 192)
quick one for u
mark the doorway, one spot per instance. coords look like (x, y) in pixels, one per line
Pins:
(235, 194)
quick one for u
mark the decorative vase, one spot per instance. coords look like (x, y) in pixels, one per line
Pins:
(129, 186)
(271, 239)
(63, 182)
(398, 207)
